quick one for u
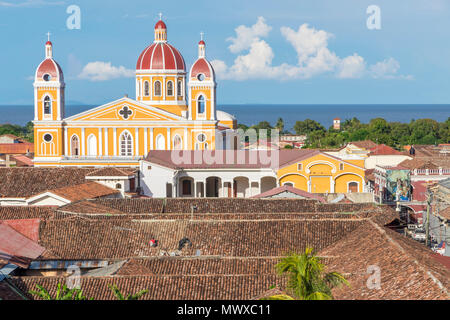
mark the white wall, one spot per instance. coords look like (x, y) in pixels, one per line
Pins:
(384, 160)
(154, 180)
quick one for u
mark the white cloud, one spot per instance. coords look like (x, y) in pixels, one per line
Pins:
(245, 36)
(102, 71)
(313, 57)
(31, 3)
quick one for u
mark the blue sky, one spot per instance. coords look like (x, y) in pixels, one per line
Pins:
(275, 52)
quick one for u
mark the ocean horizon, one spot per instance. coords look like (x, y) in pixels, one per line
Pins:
(251, 114)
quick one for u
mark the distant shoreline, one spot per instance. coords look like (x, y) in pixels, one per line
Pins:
(251, 114)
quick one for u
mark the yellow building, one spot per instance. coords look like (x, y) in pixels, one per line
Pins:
(318, 172)
(165, 115)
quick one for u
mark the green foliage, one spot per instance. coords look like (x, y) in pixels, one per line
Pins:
(25, 132)
(307, 279)
(308, 126)
(62, 293)
(120, 296)
(394, 134)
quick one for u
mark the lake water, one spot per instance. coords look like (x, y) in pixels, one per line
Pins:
(250, 114)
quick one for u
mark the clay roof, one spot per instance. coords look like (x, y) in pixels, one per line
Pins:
(239, 158)
(407, 269)
(88, 190)
(16, 148)
(383, 149)
(209, 205)
(25, 182)
(365, 144)
(80, 238)
(290, 189)
(112, 172)
(25, 212)
(426, 163)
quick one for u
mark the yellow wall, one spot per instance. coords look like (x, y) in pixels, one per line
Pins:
(320, 169)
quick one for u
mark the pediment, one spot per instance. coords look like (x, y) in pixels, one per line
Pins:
(125, 110)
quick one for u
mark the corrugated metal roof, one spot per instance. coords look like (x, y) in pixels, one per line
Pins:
(17, 248)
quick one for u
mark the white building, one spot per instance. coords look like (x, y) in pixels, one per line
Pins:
(200, 177)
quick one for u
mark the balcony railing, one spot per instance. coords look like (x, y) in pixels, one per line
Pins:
(430, 172)
(91, 158)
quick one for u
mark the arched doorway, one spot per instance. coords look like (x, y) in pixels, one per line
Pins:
(92, 145)
(213, 186)
(241, 187)
(186, 187)
(268, 183)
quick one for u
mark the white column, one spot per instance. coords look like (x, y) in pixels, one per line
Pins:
(204, 188)
(332, 185)
(169, 140)
(151, 88)
(100, 142)
(195, 189)
(137, 88)
(164, 87)
(83, 143)
(66, 142)
(58, 99)
(106, 142)
(35, 104)
(145, 142)
(151, 139)
(185, 138)
(115, 140)
(136, 134)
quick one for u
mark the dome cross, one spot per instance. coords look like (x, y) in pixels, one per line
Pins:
(48, 36)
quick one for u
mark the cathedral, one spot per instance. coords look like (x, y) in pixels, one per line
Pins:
(170, 112)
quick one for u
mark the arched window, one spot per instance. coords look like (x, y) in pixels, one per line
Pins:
(157, 88)
(177, 142)
(200, 105)
(169, 88)
(126, 144)
(146, 89)
(118, 186)
(75, 146)
(47, 105)
(92, 145)
(160, 142)
(353, 187)
(180, 88)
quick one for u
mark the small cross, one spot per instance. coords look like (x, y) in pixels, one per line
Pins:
(125, 112)
(160, 16)
(48, 35)
(201, 35)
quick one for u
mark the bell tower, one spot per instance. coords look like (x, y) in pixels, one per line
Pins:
(49, 88)
(49, 106)
(202, 87)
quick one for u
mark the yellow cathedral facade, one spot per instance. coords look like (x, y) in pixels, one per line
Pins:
(173, 110)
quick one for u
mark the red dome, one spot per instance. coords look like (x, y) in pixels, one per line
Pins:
(159, 56)
(51, 67)
(49, 42)
(202, 66)
(160, 25)
(202, 42)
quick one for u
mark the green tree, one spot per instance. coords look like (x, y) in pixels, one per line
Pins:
(307, 126)
(280, 125)
(120, 296)
(62, 293)
(307, 279)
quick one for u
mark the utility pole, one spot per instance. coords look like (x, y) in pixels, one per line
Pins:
(427, 234)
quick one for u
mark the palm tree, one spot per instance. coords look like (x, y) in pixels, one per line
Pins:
(62, 293)
(120, 296)
(307, 279)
